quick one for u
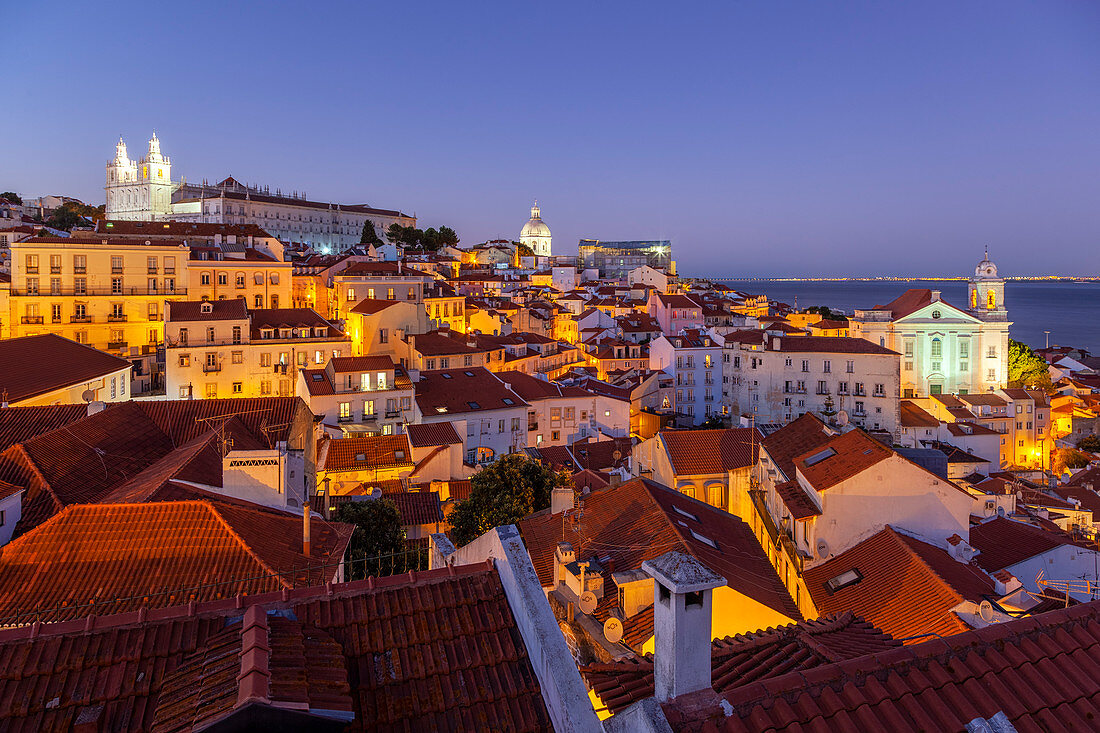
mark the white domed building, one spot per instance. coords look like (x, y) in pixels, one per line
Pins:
(535, 234)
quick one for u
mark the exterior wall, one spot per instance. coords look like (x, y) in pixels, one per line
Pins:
(696, 372)
(259, 476)
(895, 492)
(1066, 563)
(501, 431)
(383, 332)
(564, 420)
(350, 289)
(779, 386)
(262, 284)
(446, 312)
(372, 412)
(110, 307)
(236, 366)
(113, 387)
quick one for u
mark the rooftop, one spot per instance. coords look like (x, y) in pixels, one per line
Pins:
(36, 365)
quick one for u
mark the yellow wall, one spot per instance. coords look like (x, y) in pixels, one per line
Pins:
(735, 613)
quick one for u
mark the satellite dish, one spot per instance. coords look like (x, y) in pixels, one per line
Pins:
(822, 549)
(375, 492)
(588, 602)
(1000, 511)
(842, 417)
(613, 630)
(87, 395)
(985, 611)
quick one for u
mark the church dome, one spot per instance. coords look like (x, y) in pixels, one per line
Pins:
(986, 269)
(535, 226)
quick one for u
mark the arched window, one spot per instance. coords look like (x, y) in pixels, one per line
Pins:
(991, 299)
(974, 298)
(937, 348)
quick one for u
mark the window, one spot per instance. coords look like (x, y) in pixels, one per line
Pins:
(116, 264)
(151, 265)
(183, 337)
(826, 366)
(185, 360)
(152, 285)
(412, 294)
(236, 334)
(259, 300)
(152, 311)
(116, 312)
(845, 579)
(223, 278)
(909, 348)
(55, 264)
(204, 278)
(32, 264)
(383, 335)
(211, 390)
(237, 357)
(389, 294)
(805, 365)
(964, 349)
(850, 368)
(318, 357)
(240, 280)
(169, 265)
(80, 264)
(345, 411)
(238, 388)
(992, 353)
(209, 334)
(80, 312)
(55, 313)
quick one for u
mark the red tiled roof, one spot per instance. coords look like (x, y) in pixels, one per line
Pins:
(317, 382)
(912, 416)
(446, 343)
(532, 388)
(798, 503)
(364, 454)
(424, 435)
(640, 520)
(695, 452)
(435, 650)
(22, 423)
(417, 507)
(372, 363)
(370, 306)
(454, 391)
(220, 310)
(853, 453)
(908, 587)
(910, 301)
(34, 365)
(1041, 671)
(746, 658)
(289, 318)
(1003, 542)
(795, 438)
(124, 556)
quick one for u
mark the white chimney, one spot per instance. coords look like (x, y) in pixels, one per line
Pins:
(959, 549)
(681, 623)
(1005, 582)
(563, 555)
(935, 296)
(562, 498)
(96, 406)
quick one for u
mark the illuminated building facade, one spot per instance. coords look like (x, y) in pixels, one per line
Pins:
(615, 260)
(144, 191)
(944, 349)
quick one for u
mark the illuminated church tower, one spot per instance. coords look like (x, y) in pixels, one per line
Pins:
(987, 292)
(142, 190)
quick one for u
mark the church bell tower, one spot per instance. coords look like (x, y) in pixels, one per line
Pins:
(987, 292)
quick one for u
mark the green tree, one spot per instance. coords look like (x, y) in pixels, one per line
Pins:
(394, 232)
(447, 237)
(13, 197)
(369, 235)
(827, 313)
(502, 493)
(65, 217)
(377, 545)
(1090, 443)
(430, 239)
(1025, 367)
(523, 250)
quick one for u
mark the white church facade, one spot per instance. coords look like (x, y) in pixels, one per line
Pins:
(945, 349)
(143, 190)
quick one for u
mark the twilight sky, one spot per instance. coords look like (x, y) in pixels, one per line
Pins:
(763, 138)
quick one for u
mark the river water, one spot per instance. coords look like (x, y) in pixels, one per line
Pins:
(1069, 310)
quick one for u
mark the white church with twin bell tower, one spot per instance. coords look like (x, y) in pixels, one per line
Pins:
(139, 190)
(945, 349)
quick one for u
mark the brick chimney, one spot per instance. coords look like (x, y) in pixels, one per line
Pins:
(681, 623)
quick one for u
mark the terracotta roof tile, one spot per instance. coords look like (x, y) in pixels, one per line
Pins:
(424, 435)
(456, 391)
(907, 587)
(798, 503)
(795, 438)
(848, 455)
(1003, 542)
(123, 556)
(417, 507)
(912, 416)
(363, 454)
(747, 658)
(22, 362)
(695, 452)
(220, 310)
(435, 650)
(1042, 672)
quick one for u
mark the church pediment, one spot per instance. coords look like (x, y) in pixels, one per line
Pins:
(938, 312)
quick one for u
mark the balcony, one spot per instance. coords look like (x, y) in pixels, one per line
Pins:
(116, 318)
(80, 319)
(116, 345)
(777, 538)
(32, 270)
(55, 269)
(393, 413)
(211, 368)
(32, 319)
(93, 292)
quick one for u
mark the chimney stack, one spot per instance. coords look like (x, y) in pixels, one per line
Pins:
(935, 296)
(305, 527)
(681, 623)
(562, 498)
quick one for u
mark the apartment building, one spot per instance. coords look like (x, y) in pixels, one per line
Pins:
(107, 293)
(694, 360)
(257, 276)
(220, 348)
(776, 378)
(562, 414)
(1020, 416)
(377, 281)
(358, 395)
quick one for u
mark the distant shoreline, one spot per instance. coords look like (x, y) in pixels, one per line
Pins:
(885, 278)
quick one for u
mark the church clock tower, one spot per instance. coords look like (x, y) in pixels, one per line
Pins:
(155, 172)
(987, 292)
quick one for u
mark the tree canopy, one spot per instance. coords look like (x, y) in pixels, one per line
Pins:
(429, 239)
(503, 492)
(1025, 367)
(378, 536)
(369, 235)
(72, 214)
(523, 250)
(827, 313)
(12, 197)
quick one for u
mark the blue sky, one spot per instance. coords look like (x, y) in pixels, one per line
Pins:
(763, 138)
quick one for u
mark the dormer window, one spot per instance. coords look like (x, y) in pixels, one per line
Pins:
(399, 455)
(206, 307)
